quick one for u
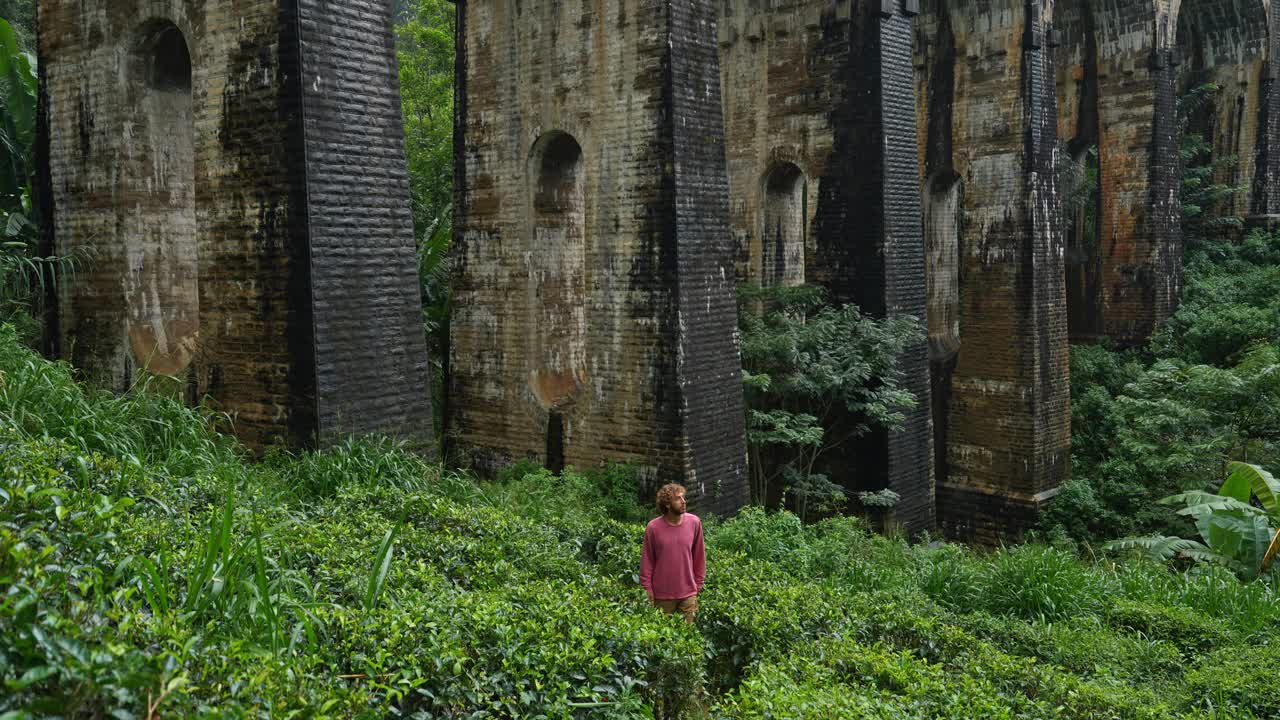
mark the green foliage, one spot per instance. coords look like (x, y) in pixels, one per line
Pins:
(816, 376)
(183, 580)
(425, 50)
(1036, 582)
(1146, 425)
(1238, 681)
(1205, 201)
(1230, 302)
(22, 273)
(1236, 524)
(21, 15)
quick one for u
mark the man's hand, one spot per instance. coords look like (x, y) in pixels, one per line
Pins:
(650, 594)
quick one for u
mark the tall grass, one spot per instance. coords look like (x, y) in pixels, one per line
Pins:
(42, 399)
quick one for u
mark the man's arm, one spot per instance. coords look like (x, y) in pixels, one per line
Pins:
(647, 561)
(699, 558)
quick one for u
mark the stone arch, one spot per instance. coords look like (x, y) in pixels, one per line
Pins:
(556, 260)
(1115, 93)
(784, 225)
(160, 281)
(942, 201)
(1224, 43)
(1080, 130)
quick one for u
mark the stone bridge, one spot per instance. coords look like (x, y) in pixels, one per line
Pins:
(905, 155)
(620, 166)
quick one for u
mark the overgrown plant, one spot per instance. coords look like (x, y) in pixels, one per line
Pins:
(1237, 524)
(520, 600)
(25, 273)
(21, 273)
(1203, 197)
(425, 49)
(817, 377)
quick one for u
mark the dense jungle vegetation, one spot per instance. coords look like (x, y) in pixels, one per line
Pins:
(151, 567)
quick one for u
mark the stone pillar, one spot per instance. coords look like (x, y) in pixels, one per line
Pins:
(370, 346)
(1007, 417)
(651, 375)
(901, 250)
(820, 123)
(250, 229)
(1116, 90)
(1264, 207)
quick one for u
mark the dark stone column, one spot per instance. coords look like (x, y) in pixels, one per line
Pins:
(870, 246)
(371, 355)
(708, 368)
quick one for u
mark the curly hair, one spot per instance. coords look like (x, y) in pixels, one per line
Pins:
(667, 494)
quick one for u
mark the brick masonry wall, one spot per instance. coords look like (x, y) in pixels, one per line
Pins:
(1225, 43)
(1137, 223)
(112, 187)
(607, 75)
(245, 238)
(1265, 193)
(1139, 75)
(708, 369)
(371, 369)
(778, 72)
(827, 87)
(1007, 440)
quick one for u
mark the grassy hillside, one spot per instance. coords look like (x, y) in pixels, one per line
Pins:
(148, 569)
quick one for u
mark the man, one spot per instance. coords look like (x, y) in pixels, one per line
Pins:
(673, 562)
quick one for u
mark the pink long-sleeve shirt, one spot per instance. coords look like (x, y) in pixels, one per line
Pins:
(673, 562)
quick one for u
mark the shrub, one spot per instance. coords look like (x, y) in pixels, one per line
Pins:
(1237, 680)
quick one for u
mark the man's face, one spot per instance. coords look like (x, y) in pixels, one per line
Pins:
(677, 504)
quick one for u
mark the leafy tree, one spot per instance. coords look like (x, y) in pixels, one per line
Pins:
(806, 364)
(1201, 195)
(1142, 433)
(22, 272)
(425, 47)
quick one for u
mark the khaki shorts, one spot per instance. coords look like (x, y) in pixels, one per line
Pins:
(687, 607)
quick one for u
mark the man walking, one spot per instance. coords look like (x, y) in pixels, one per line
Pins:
(673, 562)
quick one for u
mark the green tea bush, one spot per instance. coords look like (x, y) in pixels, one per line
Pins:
(1238, 681)
(360, 581)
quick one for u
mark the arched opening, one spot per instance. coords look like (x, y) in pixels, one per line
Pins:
(1082, 203)
(160, 221)
(1080, 169)
(557, 283)
(1220, 55)
(783, 233)
(942, 208)
(167, 59)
